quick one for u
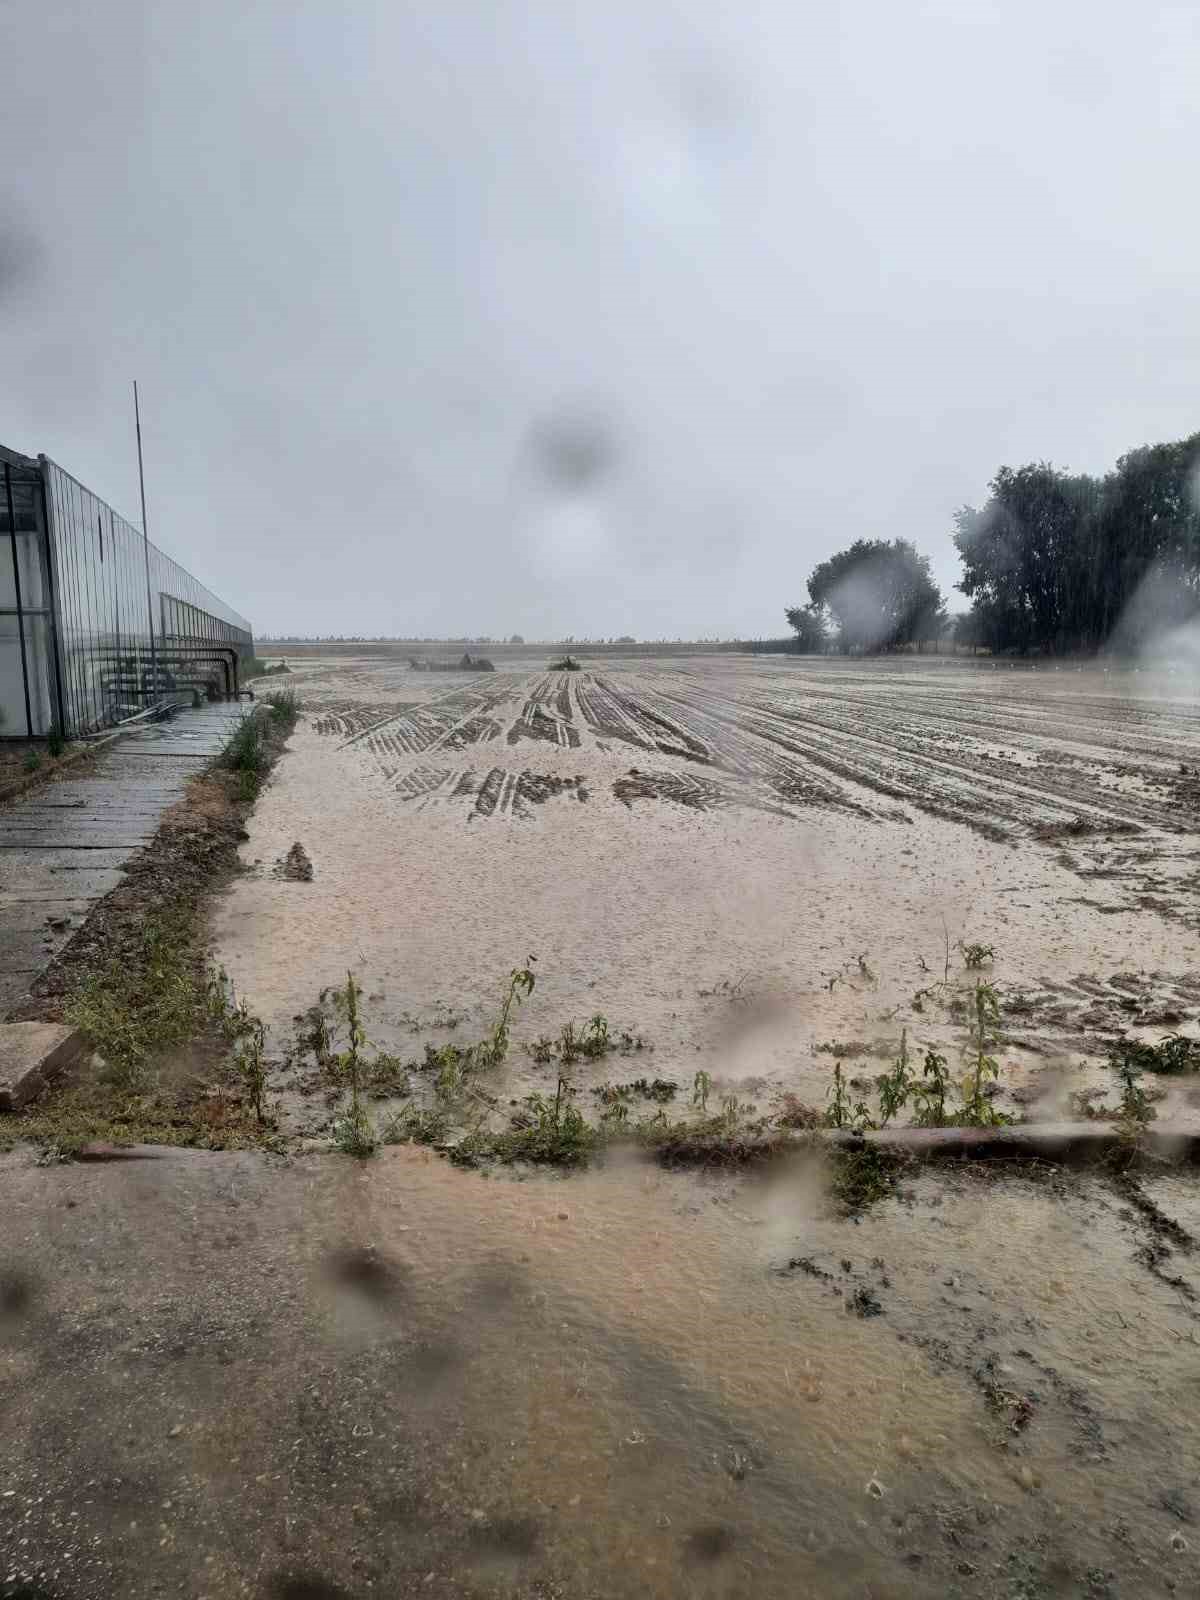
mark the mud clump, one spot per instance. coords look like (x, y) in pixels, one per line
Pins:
(502, 791)
(295, 867)
(865, 1304)
(684, 789)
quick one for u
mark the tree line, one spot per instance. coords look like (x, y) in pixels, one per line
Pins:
(1052, 561)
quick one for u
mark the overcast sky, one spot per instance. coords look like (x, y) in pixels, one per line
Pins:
(587, 316)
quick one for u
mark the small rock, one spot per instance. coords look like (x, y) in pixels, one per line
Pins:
(1179, 1544)
(175, 1431)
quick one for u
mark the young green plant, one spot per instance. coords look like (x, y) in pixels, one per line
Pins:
(353, 1132)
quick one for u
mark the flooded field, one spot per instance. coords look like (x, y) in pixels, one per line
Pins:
(325, 1378)
(752, 867)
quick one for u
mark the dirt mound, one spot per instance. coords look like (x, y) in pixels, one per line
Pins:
(296, 866)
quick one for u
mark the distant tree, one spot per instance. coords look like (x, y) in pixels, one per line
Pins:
(515, 638)
(1059, 562)
(1148, 539)
(626, 638)
(880, 595)
(1024, 560)
(809, 625)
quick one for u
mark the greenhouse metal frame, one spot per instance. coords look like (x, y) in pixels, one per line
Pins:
(96, 623)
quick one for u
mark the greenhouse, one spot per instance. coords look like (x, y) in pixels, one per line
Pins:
(96, 623)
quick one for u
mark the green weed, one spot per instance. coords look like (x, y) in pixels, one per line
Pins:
(283, 708)
(450, 1066)
(353, 1131)
(32, 762)
(701, 1088)
(596, 1040)
(732, 1112)
(249, 1065)
(411, 1125)
(246, 755)
(1174, 1054)
(660, 1090)
(930, 1093)
(895, 1086)
(976, 956)
(387, 1076)
(592, 1041)
(977, 1110)
(1136, 1110)
(548, 1132)
(521, 982)
(842, 1113)
(314, 1034)
(861, 1177)
(255, 667)
(838, 1114)
(143, 1001)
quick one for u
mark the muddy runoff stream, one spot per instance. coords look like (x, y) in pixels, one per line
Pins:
(714, 1386)
(327, 1378)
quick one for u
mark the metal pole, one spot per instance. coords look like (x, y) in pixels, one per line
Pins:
(12, 533)
(53, 594)
(137, 417)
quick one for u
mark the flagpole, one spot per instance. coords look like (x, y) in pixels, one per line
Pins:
(137, 417)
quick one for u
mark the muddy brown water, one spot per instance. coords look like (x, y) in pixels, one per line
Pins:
(695, 1394)
(622, 1383)
(782, 823)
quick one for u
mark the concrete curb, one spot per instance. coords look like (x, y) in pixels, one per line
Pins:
(31, 1053)
(1065, 1142)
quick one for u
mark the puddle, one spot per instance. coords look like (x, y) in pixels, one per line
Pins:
(670, 1403)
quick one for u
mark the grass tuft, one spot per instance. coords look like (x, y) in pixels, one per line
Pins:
(141, 1003)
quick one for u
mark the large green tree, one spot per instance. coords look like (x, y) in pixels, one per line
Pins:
(1060, 562)
(879, 594)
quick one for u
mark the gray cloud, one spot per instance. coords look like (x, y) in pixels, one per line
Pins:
(800, 275)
